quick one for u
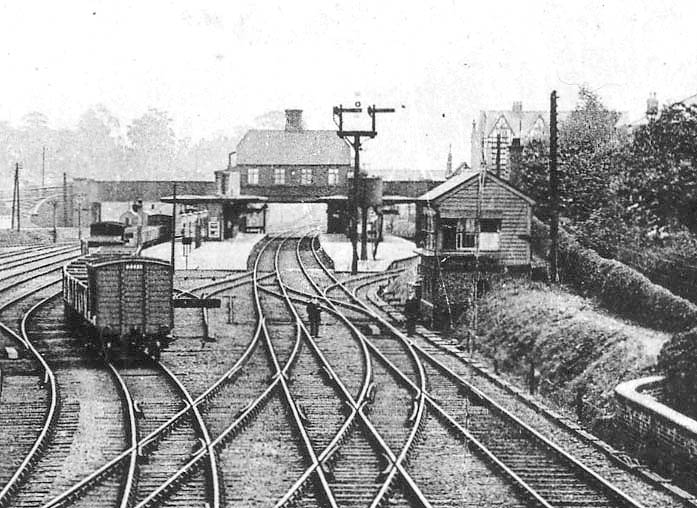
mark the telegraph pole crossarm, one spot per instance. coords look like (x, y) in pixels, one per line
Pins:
(353, 137)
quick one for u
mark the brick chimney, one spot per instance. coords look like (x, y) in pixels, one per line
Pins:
(518, 107)
(516, 158)
(652, 106)
(294, 120)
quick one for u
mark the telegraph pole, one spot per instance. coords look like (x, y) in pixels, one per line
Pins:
(65, 200)
(43, 170)
(174, 222)
(55, 231)
(15, 198)
(171, 254)
(353, 137)
(553, 189)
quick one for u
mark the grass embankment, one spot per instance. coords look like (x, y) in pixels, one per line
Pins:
(571, 339)
(28, 236)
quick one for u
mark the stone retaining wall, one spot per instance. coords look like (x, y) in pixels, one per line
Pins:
(663, 437)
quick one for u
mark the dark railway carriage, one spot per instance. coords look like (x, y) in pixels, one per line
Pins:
(106, 234)
(123, 302)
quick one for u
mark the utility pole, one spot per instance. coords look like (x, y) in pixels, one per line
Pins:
(79, 217)
(174, 226)
(174, 222)
(353, 137)
(43, 170)
(55, 231)
(553, 189)
(65, 200)
(15, 198)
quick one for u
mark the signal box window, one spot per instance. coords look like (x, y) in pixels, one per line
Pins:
(306, 176)
(253, 176)
(333, 176)
(465, 237)
(279, 176)
(489, 236)
(458, 234)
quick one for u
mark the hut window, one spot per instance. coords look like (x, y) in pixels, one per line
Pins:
(449, 228)
(489, 235)
(464, 238)
(306, 176)
(279, 176)
(333, 176)
(253, 176)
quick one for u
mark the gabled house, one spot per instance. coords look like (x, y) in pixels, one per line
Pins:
(496, 130)
(290, 165)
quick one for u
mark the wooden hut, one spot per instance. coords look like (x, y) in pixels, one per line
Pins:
(469, 227)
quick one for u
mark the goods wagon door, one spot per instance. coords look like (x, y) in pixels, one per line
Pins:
(105, 297)
(158, 296)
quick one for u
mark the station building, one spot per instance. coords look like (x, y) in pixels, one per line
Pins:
(469, 228)
(290, 165)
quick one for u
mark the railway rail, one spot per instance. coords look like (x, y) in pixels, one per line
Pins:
(362, 434)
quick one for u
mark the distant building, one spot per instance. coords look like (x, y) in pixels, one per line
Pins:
(289, 165)
(495, 132)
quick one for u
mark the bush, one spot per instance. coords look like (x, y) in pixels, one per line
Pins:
(619, 288)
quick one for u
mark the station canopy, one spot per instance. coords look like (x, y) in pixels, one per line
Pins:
(386, 200)
(195, 199)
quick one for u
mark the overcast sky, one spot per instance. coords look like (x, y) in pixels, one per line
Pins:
(214, 65)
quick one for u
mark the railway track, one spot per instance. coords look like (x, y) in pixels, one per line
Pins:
(362, 416)
(171, 490)
(92, 421)
(30, 397)
(611, 495)
(652, 490)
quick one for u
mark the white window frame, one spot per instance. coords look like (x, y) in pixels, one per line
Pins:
(333, 176)
(465, 228)
(253, 176)
(491, 241)
(279, 176)
(306, 176)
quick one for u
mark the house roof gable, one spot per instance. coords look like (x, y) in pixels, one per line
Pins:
(280, 147)
(440, 192)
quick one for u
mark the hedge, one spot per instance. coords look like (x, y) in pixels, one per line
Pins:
(619, 288)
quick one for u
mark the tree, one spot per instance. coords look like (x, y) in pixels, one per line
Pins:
(534, 177)
(152, 145)
(98, 153)
(588, 139)
(589, 179)
(660, 168)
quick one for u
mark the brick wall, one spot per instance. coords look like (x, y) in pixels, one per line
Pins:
(661, 436)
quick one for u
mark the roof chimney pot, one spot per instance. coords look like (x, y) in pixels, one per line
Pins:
(517, 107)
(294, 120)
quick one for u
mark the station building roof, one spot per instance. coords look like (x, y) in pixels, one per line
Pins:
(294, 147)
